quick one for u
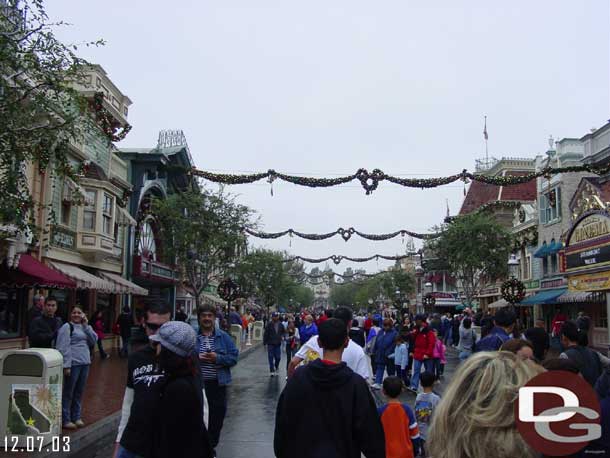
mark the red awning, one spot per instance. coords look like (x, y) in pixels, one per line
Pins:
(33, 273)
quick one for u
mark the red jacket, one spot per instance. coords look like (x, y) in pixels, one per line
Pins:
(424, 343)
(368, 324)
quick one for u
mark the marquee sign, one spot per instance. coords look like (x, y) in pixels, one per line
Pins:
(588, 243)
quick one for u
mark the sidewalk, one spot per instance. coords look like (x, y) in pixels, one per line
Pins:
(102, 403)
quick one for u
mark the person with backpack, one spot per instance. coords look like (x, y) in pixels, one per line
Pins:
(467, 339)
(504, 322)
(43, 329)
(587, 360)
(73, 341)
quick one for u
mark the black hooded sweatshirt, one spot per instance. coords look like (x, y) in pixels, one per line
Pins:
(326, 410)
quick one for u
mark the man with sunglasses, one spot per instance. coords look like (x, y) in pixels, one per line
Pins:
(142, 393)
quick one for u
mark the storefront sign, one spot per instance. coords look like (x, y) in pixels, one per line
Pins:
(590, 282)
(63, 238)
(590, 228)
(489, 292)
(532, 284)
(588, 257)
(441, 295)
(549, 284)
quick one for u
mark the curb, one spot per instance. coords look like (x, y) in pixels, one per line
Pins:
(89, 436)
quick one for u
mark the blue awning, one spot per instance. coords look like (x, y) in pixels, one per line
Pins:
(548, 296)
(555, 247)
(542, 252)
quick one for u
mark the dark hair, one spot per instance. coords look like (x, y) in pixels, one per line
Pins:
(400, 338)
(392, 386)
(505, 317)
(329, 313)
(332, 334)
(159, 308)
(561, 364)
(514, 345)
(50, 298)
(467, 323)
(344, 314)
(426, 379)
(376, 322)
(569, 330)
(174, 365)
(206, 309)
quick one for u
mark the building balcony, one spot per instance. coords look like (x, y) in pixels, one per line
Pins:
(97, 246)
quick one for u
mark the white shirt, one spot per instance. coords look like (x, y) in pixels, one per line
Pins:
(353, 356)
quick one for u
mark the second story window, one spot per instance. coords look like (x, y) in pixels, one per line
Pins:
(89, 210)
(550, 206)
(107, 211)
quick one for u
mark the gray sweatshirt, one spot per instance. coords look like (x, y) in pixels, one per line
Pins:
(75, 348)
(467, 339)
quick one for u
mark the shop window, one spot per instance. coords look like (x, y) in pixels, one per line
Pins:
(89, 210)
(107, 211)
(601, 320)
(545, 265)
(9, 313)
(554, 263)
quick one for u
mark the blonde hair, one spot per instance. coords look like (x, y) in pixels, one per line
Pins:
(475, 418)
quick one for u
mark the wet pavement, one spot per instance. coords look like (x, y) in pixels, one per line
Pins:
(250, 420)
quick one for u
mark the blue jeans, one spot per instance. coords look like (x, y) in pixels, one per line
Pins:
(381, 367)
(74, 386)
(464, 354)
(274, 352)
(124, 453)
(417, 365)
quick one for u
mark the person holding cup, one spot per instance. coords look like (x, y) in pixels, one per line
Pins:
(73, 341)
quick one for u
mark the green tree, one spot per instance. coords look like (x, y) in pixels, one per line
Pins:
(261, 273)
(344, 294)
(41, 112)
(476, 248)
(202, 234)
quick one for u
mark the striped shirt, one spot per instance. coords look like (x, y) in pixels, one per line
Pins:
(206, 345)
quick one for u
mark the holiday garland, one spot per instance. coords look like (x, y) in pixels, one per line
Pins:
(109, 125)
(335, 274)
(345, 234)
(338, 258)
(370, 180)
(513, 291)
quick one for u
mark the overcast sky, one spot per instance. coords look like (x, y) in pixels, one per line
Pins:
(326, 87)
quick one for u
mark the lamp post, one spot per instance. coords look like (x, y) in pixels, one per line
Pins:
(513, 290)
(428, 300)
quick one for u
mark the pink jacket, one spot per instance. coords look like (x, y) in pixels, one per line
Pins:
(439, 350)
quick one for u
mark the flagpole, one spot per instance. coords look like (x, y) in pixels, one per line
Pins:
(486, 149)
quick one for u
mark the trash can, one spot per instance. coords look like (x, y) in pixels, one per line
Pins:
(30, 396)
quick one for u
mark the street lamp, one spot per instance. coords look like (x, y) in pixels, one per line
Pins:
(513, 290)
(513, 266)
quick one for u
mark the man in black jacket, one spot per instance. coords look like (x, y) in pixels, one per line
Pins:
(43, 329)
(539, 339)
(330, 405)
(587, 360)
(272, 338)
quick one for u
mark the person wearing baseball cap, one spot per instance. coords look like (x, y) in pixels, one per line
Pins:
(179, 429)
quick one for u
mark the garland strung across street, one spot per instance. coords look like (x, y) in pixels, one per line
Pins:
(335, 274)
(345, 234)
(370, 180)
(338, 258)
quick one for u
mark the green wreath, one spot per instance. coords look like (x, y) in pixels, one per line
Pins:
(513, 291)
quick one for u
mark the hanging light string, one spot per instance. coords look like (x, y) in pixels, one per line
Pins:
(370, 180)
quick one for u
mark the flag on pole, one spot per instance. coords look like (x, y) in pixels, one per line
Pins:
(485, 129)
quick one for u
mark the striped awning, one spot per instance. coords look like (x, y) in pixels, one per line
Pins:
(123, 284)
(580, 296)
(213, 298)
(498, 304)
(123, 218)
(85, 280)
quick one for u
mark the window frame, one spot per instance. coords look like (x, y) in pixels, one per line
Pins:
(90, 207)
(108, 214)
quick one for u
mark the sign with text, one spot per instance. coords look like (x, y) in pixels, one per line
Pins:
(590, 282)
(588, 257)
(590, 228)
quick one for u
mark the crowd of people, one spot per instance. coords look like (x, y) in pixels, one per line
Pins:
(175, 397)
